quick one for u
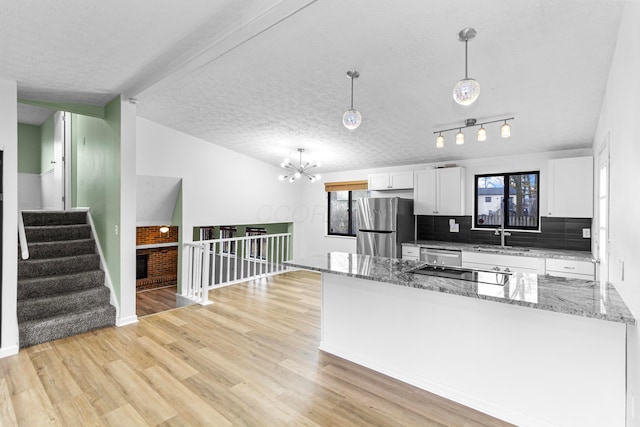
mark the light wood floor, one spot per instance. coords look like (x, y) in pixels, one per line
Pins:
(155, 300)
(249, 359)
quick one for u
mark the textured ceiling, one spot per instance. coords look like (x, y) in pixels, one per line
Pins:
(265, 77)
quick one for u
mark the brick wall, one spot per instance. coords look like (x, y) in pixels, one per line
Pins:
(152, 235)
(162, 266)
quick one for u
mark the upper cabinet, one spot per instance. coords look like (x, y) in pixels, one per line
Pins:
(570, 187)
(439, 192)
(391, 181)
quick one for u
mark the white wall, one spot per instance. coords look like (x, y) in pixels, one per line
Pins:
(9, 146)
(219, 186)
(28, 191)
(313, 228)
(619, 122)
(127, 312)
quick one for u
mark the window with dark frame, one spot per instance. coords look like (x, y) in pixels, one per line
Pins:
(509, 199)
(342, 206)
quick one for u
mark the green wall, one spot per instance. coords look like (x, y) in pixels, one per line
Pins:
(96, 179)
(46, 148)
(28, 148)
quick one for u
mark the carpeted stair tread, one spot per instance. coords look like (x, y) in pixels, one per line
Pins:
(38, 331)
(48, 286)
(53, 233)
(57, 266)
(42, 250)
(39, 218)
(49, 306)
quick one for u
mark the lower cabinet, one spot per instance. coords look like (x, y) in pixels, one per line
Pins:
(500, 262)
(570, 268)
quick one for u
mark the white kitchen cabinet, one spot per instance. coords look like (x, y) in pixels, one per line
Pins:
(439, 192)
(570, 187)
(411, 252)
(574, 269)
(500, 262)
(391, 181)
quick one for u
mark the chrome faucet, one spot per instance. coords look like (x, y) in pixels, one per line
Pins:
(502, 233)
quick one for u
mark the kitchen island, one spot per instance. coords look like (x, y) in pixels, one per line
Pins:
(538, 350)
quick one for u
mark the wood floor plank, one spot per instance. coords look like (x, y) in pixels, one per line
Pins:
(7, 414)
(250, 359)
(144, 399)
(57, 381)
(78, 412)
(125, 415)
(190, 406)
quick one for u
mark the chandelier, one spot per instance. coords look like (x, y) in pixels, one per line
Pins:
(505, 131)
(467, 90)
(299, 171)
(352, 118)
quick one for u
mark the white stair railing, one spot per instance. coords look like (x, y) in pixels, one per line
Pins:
(221, 262)
(22, 237)
(196, 287)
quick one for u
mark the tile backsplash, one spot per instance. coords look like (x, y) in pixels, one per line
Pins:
(555, 233)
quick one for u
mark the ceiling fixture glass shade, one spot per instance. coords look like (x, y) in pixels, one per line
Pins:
(467, 90)
(505, 131)
(299, 171)
(352, 118)
(482, 134)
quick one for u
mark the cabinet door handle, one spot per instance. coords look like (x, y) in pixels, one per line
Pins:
(569, 268)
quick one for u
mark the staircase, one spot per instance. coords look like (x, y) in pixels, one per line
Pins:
(61, 288)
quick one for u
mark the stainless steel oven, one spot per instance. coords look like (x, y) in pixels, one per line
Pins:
(448, 257)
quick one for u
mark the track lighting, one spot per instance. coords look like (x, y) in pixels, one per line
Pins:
(505, 131)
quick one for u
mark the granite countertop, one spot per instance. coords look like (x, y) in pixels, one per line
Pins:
(509, 250)
(576, 297)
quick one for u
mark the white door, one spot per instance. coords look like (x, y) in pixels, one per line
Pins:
(53, 190)
(602, 239)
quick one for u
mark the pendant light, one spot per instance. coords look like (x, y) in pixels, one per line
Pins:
(440, 141)
(459, 137)
(467, 90)
(505, 130)
(352, 117)
(482, 134)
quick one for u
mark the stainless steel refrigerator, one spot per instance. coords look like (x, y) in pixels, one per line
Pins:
(383, 224)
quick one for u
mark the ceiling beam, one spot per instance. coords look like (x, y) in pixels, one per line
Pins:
(218, 48)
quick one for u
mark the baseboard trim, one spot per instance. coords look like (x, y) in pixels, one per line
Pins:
(126, 320)
(10, 350)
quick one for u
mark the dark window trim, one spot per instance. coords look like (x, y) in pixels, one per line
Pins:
(505, 196)
(350, 220)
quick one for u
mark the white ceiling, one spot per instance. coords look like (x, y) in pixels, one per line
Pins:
(263, 77)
